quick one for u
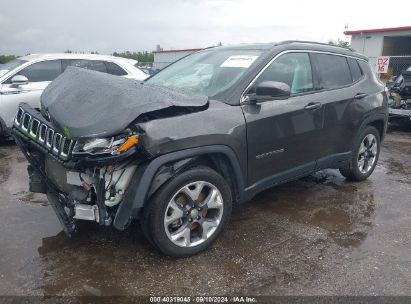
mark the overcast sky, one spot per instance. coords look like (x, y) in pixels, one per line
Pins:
(33, 26)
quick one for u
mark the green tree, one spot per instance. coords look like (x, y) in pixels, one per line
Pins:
(143, 57)
(339, 42)
(6, 58)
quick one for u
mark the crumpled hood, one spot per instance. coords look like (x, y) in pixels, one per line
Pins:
(85, 104)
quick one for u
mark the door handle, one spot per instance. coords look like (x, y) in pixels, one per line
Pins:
(313, 106)
(11, 92)
(360, 96)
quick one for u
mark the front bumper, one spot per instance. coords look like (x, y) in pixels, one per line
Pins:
(39, 140)
(59, 201)
(30, 132)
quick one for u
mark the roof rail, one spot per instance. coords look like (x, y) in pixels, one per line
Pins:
(313, 42)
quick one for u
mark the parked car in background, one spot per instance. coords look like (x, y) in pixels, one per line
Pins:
(25, 78)
(205, 133)
(149, 70)
(399, 89)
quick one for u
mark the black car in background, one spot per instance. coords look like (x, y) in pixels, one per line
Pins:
(399, 89)
(206, 133)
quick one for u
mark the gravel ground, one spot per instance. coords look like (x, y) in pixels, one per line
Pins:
(320, 235)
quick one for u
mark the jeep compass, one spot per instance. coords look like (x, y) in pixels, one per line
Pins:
(210, 131)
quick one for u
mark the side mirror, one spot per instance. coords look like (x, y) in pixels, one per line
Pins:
(19, 80)
(270, 90)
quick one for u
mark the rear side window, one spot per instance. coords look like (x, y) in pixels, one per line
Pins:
(333, 71)
(95, 65)
(42, 71)
(293, 69)
(356, 72)
(115, 69)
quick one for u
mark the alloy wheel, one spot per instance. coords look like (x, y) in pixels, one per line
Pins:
(193, 214)
(367, 153)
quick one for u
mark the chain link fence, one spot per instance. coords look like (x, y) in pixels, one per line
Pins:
(397, 64)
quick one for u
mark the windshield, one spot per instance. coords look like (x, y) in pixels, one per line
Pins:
(4, 68)
(208, 72)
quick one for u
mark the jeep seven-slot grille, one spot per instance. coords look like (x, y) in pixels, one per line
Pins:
(42, 133)
(38, 131)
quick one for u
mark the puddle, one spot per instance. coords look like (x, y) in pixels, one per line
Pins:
(287, 240)
(395, 166)
(332, 219)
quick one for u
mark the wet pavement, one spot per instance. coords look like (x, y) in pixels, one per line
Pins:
(320, 235)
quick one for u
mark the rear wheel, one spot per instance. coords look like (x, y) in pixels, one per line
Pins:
(188, 213)
(365, 155)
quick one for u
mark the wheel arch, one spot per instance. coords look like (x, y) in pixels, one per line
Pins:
(150, 177)
(378, 121)
(217, 161)
(380, 126)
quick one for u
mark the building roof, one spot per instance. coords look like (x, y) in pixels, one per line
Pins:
(380, 30)
(181, 50)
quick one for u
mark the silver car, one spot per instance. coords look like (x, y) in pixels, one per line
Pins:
(25, 78)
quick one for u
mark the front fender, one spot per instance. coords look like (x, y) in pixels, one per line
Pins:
(137, 193)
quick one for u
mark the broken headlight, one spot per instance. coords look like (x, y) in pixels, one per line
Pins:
(113, 145)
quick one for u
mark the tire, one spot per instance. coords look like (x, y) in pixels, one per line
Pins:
(180, 226)
(368, 158)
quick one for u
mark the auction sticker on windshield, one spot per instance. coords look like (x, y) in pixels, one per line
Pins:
(239, 61)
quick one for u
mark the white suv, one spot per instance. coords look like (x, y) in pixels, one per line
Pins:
(25, 78)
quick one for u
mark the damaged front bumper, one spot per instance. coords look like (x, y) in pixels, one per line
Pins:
(83, 187)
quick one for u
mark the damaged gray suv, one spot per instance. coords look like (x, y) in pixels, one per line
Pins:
(210, 131)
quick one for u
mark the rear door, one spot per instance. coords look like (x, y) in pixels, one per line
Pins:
(338, 89)
(283, 135)
(95, 65)
(115, 69)
(39, 75)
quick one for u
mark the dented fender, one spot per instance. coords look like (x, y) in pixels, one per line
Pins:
(166, 172)
(138, 191)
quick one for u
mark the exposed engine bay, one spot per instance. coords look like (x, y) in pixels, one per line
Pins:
(82, 187)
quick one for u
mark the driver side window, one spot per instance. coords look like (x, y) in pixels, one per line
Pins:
(42, 71)
(294, 69)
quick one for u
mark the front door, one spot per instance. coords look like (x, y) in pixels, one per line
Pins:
(283, 135)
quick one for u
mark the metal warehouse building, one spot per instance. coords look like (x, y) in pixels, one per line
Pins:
(163, 58)
(393, 42)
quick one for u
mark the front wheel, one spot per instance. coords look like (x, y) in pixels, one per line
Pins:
(188, 213)
(365, 155)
